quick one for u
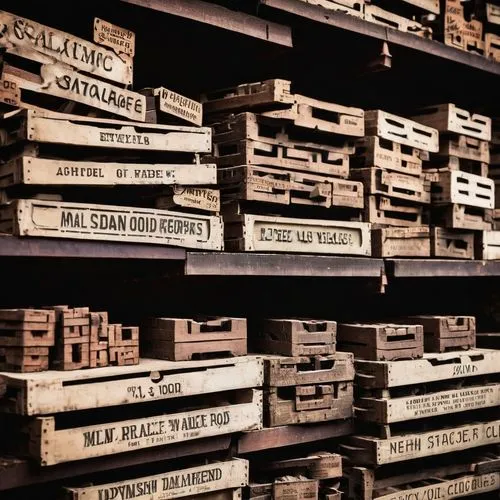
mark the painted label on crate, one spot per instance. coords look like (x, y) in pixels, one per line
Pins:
(28, 38)
(429, 405)
(397, 449)
(454, 488)
(119, 39)
(43, 171)
(305, 489)
(180, 106)
(175, 484)
(84, 221)
(201, 198)
(10, 93)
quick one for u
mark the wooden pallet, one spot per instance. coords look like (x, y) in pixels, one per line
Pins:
(374, 151)
(377, 181)
(452, 244)
(449, 118)
(27, 328)
(189, 199)
(111, 223)
(282, 371)
(463, 146)
(461, 217)
(248, 152)
(296, 337)
(259, 233)
(379, 342)
(488, 245)
(178, 339)
(401, 242)
(319, 466)
(307, 403)
(189, 482)
(351, 7)
(375, 14)
(401, 130)
(488, 340)
(285, 488)
(385, 211)
(492, 46)
(453, 163)
(24, 359)
(432, 368)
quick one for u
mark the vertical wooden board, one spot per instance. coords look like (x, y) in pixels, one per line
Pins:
(50, 446)
(175, 104)
(176, 484)
(32, 37)
(488, 245)
(119, 39)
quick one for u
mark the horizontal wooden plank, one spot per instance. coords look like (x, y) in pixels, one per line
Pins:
(120, 40)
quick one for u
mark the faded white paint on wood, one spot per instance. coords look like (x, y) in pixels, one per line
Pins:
(115, 223)
(119, 39)
(177, 105)
(433, 367)
(50, 446)
(200, 198)
(42, 171)
(152, 380)
(19, 32)
(176, 484)
(488, 245)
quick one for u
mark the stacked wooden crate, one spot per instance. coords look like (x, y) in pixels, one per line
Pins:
(463, 195)
(489, 13)
(54, 165)
(283, 170)
(389, 163)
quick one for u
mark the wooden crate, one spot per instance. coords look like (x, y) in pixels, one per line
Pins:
(452, 244)
(183, 483)
(24, 359)
(385, 211)
(432, 368)
(488, 340)
(281, 371)
(178, 339)
(57, 128)
(285, 488)
(379, 342)
(374, 151)
(375, 14)
(446, 333)
(111, 223)
(455, 216)
(489, 12)
(492, 46)
(249, 152)
(190, 199)
(27, 328)
(296, 337)
(32, 170)
(259, 233)
(318, 466)
(377, 181)
(50, 445)
(152, 380)
(455, 163)
(287, 187)
(401, 242)
(462, 188)
(351, 7)
(367, 450)
(307, 403)
(463, 146)
(488, 245)
(449, 118)
(401, 130)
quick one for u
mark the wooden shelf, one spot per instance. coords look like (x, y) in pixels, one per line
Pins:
(428, 268)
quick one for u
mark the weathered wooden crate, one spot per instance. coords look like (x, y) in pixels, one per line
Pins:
(111, 223)
(318, 466)
(184, 483)
(451, 243)
(32, 170)
(488, 340)
(382, 210)
(379, 342)
(374, 151)
(322, 116)
(377, 181)
(281, 371)
(367, 450)
(190, 199)
(375, 14)
(488, 12)
(249, 152)
(285, 488)
(401, 242)
(288, 187)
(27, 328)
(492, 46)
(24, 359)
(307, 403)
(296, 337)
(58, 128)
(50, 445)
(463, 146)
(455, 216)
(152, 380)
(456, 163)
(267, 94)
(432, 368)
(446, 333)
(259, 233)
(401, 130)
(351, 7)
(488, 245)
(179, 339)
